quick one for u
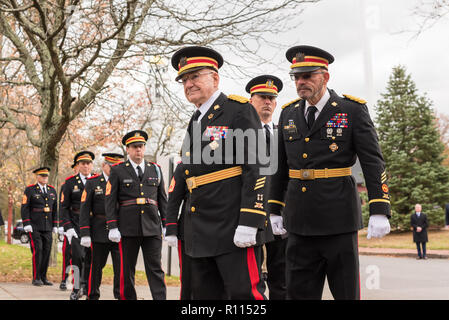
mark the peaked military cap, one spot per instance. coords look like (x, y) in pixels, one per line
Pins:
(266, 85)
(112, 158)
(43, 171)
(189, 59)
(308, 58)
(83, 156)
(136, 136)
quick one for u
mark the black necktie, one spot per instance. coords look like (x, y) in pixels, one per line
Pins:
(311, 116)
(196, 115)
(140, 173)
(267, 137)
(44, 190)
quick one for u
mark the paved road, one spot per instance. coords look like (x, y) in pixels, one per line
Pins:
(382, 278)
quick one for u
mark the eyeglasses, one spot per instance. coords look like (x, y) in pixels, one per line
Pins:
(192, 77)
(304, 76)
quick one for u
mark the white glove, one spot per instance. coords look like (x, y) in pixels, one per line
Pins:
(61, 230)
(55, 230)
(277, 225)
(378, 226)
(114, 235)
(172, 241)
(164, 230)
(28, 228)
(70, 234)
(85, 241)
(245, 236)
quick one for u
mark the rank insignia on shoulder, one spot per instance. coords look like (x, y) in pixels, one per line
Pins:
(289, 103)
(352, 98)
(238, 98)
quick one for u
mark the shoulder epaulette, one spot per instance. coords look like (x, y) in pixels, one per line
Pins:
(51, 186)
(289, 103)
(94, 176)
(238, 98)
(155, 164)
(352, 98)
(70, 177)
(31, 185)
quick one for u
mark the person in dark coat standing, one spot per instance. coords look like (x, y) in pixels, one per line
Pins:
(419, 224)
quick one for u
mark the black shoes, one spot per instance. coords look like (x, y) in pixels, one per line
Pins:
(75, 295)
(37, 283)
(63, 286)
(46, 282)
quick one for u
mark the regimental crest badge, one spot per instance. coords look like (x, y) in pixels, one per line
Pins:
(333, 147)
(183, 62)
(300, 57)
(269, 83)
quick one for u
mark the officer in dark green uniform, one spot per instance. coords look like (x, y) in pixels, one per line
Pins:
(71, 203)
(93, 229)
(39, 216)
(320, 136)
(136, 204)
(223, 222)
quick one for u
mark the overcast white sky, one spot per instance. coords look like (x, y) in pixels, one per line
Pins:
(338, 27)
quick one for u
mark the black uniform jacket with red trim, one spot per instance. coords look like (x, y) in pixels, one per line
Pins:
(342, 131)
(123, 187)
(38, 209)
(71, 202)
(92, 212)
(214, 210)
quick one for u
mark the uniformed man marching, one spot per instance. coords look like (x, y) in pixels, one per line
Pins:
(93, 229)
(135, 193)
(39, 216)
(223, 223)
(66, 248)
(321, 134)
(71, 203)
(264, 90)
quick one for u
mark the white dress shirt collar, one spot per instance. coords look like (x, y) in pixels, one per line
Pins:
(320, 105)
(206, 105)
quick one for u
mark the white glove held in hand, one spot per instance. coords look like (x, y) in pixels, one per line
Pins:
(86, 241)
(70, 234)
(28, 228)
(114, 235)
(245, 236)
(378, 226)
(277, 224)
(172, 241)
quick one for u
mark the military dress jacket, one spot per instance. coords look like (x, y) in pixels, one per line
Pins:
(38, 209)
(123, 192)
(177, 198)
(71, 202)
(215, 209)
(93, 213)
(342, 131)
(420, 221)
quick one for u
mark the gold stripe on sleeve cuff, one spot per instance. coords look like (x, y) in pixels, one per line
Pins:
(379, 200)
(277, 202)
(253, 211)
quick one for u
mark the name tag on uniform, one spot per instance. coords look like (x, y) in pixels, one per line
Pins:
(128, 181)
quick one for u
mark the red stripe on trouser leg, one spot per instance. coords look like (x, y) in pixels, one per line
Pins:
(180, 267)
(253, 271)
(90, 272)
(64, 244)
(122, 277)
(33, 248)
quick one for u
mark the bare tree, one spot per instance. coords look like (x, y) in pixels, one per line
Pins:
(62, 55)
(429, 13)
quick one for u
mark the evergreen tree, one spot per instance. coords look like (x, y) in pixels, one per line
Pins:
(413, 152)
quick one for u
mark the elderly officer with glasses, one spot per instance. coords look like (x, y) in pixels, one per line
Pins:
(321, 135)
(223, 223)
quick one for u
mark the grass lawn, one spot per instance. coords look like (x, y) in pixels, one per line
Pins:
(438, 240)
(15, 266)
